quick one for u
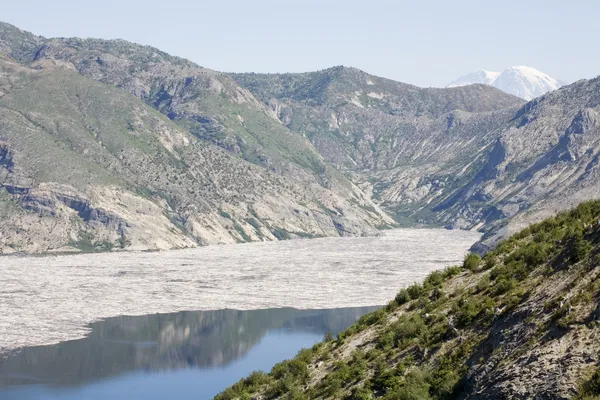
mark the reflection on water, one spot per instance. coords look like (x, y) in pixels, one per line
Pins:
(196, 353)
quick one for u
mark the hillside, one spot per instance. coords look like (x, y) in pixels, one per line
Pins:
(523, 322)
(207, 103)
(85, 165)
(408, 147)
(469, 157)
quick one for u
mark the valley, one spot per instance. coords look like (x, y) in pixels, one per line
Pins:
(168, 230)
(199, 157)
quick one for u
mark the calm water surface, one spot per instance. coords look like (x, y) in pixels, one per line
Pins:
(185, 355)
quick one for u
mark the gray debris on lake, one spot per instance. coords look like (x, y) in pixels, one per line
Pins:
(45, 300)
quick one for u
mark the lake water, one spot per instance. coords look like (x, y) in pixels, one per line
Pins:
(186, 355)
(46, 300)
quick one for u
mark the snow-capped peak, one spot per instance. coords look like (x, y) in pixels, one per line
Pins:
(522, 81)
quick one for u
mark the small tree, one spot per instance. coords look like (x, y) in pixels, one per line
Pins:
(472, 261)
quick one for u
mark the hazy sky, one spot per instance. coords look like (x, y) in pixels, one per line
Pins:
(427, 43)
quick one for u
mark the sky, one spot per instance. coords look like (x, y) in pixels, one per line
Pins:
(423, 42)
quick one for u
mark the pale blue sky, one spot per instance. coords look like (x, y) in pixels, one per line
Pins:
(427, 43)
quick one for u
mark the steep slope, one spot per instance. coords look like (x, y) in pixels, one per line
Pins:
(524, 322)
(525, 82)
(545, 159)
(88, 165)
(408, 147)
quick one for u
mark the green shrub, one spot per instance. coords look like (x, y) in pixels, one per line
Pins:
(467, 310)
(483, 283)
(402, 297)
(294, 368)
(472, 261)
(415, 291)
(409, 327)
(385, 379)
(489, 261)
(443, 380)
(579, 247)
(372, 318)
(361, 393)
(504, 285)
(592, 386)
(434, 279)
(450, 272)
(414, 388)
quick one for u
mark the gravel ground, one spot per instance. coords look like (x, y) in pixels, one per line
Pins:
(45, 300)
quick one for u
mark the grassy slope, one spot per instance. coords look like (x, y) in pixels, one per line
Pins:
(490, 328)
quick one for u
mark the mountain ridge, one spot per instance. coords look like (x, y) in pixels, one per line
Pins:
(440, 167)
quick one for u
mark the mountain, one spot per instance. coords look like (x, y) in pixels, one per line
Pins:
(525, 82)
(544, 159)
(357, 152)
(523, 322)
(86, 165)
(469, 157)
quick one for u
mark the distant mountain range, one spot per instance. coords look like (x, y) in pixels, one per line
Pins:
(109, 144)
(524, 82)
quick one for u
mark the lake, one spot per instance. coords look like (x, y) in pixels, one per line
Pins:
(116, 325)
(167, 356)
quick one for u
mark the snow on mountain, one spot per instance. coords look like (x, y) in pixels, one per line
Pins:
(482, 76)
(525, 82)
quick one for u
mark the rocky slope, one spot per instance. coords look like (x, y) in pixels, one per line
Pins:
(404, 145)
(467, 157)
(525, 82)
(521, 323)
(86, 165)
(545, 159)
(209, 104)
